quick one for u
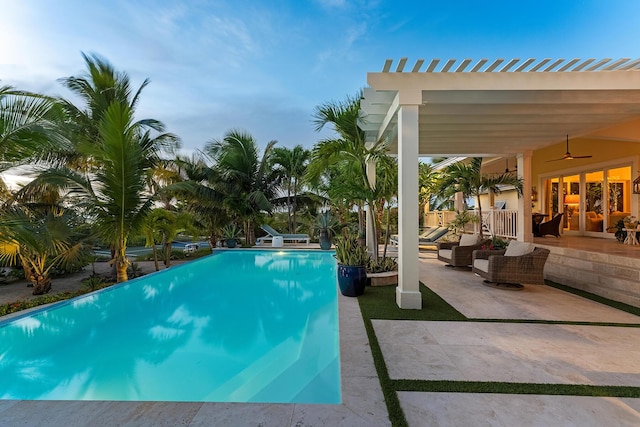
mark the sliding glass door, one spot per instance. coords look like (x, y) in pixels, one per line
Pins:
(592, 201)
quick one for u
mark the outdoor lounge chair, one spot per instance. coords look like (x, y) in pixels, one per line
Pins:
(271, 233)
(550, 227)
(429, 236)
(460, 254)
(510, 269)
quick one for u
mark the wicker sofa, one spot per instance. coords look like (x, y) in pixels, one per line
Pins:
(459, 254)
(510, 272)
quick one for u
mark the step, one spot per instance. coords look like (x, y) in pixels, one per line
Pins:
(610, 276)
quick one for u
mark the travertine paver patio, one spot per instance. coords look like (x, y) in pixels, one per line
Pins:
(513, 352)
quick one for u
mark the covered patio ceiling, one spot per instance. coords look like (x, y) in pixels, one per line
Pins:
(488, 109)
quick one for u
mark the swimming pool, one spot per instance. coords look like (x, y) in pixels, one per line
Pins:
(238, 326)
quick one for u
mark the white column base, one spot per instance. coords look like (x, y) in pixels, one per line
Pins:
(409, 300)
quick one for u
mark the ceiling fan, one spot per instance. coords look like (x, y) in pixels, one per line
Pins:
(568, 156)
(507, 170)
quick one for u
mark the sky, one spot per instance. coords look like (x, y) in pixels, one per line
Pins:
(263, 66)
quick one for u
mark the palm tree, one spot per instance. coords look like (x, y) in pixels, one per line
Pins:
(39, 241)
(166, 225)
(28, 129)
(468, 179)
(247, 181)
(292, 165)
(349, 147)
(199, 191)
(112, 156)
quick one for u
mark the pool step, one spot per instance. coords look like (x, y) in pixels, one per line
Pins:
(325, 365)
(243, 386)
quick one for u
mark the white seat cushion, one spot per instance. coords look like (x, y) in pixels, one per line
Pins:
(481, 264)
(468, 240)
(517, 248)
(445, 253)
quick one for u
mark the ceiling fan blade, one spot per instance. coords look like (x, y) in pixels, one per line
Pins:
(568, 156)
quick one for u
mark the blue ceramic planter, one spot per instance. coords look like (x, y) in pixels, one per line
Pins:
(352, 280)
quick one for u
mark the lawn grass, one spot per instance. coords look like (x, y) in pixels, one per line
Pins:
(380, 303)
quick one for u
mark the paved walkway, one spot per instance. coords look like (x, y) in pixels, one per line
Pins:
(455, 351)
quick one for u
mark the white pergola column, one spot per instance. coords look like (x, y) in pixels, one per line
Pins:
(525, 224)
(408, 292)
(370, 221)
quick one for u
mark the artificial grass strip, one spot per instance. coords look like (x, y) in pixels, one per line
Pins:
(515, 388)
(597, 298)
(396, 415)
(557, 322)
(379, 302)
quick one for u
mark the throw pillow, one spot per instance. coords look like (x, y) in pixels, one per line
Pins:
(517, 248)
(468, 240)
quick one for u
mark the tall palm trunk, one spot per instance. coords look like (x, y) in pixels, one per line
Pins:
(295, 206)
(479, 214)
(289, 219)
(121, 262)
(155, 257)
(37, 276)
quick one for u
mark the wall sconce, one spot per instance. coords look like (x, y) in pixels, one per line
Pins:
(636, 185)
(534, 194)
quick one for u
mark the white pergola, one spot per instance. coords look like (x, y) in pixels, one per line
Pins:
(484, 110)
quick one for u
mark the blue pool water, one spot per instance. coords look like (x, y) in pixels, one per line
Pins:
(238, 326)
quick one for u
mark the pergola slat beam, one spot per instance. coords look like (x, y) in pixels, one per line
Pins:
(463, 65)
(509, 65)
(617, 63)
(584, 64)
(553, 65)
(401, 65)
(524, 65)
(494, 65)
(568, 65)
(478, 65)
(598, 64)
(432, 65)
(448, 66)
(539, 65)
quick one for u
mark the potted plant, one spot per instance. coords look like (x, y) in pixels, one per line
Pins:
(325, 226)
(352, 261)
(459, 223)
(383, 272)
(231, 234)
(496, 244)
(620, 234)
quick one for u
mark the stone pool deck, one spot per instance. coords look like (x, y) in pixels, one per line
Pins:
(562, 353)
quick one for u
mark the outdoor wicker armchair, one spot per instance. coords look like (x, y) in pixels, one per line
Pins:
(459, 255)
(510, 272)
(551, 227)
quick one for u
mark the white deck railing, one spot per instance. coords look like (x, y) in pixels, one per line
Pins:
(500, 222)
(495, 222)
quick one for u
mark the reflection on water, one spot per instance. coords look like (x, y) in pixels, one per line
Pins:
(237, 326)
